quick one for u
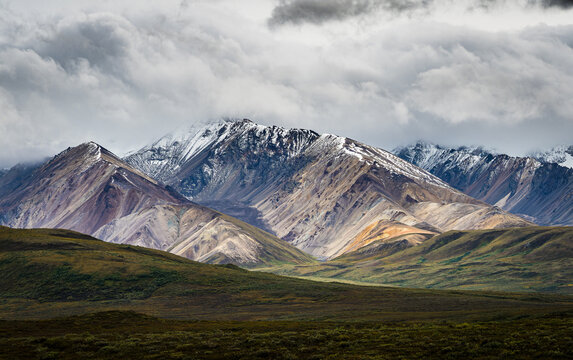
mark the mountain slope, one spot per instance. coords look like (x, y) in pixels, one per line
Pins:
(15, 177)
(88, 189)
(50, 273)
(518, 259)
(323, 193)
(541, 191)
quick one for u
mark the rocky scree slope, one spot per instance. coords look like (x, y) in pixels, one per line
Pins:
(543, 192)
(325, 194)
(90, 190)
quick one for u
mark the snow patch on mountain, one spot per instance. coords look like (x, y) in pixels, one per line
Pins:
(428, 156)
(533, 186)
(465, 158)
(562, 155)
(164, 158)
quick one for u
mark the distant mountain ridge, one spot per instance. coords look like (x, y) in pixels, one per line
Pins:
(14, 177)
(325, 194)
(543, 191)
(89, 189)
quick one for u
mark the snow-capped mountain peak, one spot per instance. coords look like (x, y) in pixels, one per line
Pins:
(166, 156)
(533, 186)
(381, 158)
(562, 155)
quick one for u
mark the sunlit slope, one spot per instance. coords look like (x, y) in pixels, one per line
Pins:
(517, 259)
(49, 273)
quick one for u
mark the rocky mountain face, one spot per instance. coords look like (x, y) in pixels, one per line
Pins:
(325, 194)
(541, 191)
(90, 190)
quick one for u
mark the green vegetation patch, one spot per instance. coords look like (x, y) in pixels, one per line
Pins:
(59, 273)
(128, 335)
(46, 282)
(518, 259)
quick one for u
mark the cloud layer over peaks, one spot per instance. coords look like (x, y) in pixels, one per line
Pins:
(498, 74)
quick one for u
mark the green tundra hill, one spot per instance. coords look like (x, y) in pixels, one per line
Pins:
(529, 259)
(49, 273)
(65, 295)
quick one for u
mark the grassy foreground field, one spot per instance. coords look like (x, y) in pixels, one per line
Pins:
(125, 335)
(65, 295)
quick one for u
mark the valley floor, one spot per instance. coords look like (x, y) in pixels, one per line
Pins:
(128, 335)
(65, 295)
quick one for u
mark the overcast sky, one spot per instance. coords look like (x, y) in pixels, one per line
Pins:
(385, 72)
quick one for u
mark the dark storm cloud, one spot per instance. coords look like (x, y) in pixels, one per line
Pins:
(319, 11)
(566, 4)
(100, 40)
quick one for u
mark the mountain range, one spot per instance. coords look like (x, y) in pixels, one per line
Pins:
(89, 189)
(325, 194)
(264, 196)
(534, 188)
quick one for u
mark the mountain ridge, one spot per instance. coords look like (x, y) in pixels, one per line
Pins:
(318, 192)
(89, 189)
(543, 192)
(562, 155)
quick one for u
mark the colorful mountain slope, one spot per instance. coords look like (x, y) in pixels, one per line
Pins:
(323, 193)
(89, 189)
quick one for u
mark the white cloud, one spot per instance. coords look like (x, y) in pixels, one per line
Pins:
(125, 73)
(507, 79)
